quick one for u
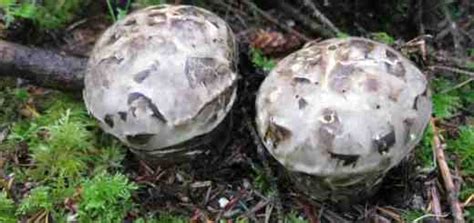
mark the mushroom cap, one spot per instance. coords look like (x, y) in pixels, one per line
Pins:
(161, 76)
(342, 107)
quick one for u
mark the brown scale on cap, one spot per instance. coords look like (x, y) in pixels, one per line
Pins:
(276, 133)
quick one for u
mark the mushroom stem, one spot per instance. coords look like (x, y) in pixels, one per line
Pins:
(42, 67)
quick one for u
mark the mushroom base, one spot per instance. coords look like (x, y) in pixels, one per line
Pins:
(342, 191)
(201, 146)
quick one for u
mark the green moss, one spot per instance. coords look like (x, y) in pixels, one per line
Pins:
(445, 105)
(260, 61)
(463, 146)
(424, 152)
(446, 98)
(58, 147)
(49, 14)
(412, 215)
(39, 199)
(105, 198)
(10, 102)
(383, 37)
(65, 146)
(470, 52)
(151, 2)
(7, 209)
(12, 10)
(342, 35)
(163, 218)
(293, 217)
(260, 181)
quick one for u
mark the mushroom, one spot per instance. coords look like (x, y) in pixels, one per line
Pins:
(163, 80)
(340, 113)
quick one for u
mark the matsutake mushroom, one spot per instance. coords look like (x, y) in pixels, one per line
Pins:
(163, 80)
(339, 114)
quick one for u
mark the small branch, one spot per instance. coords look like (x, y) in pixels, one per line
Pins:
(454, 30)
(42, 67)
(419, 17)
(435, 201)
(428, 216)
(225, 7)
(324, 213)
(468, 200)
(452, 195)
(322, 18)
(391, 213)
(452, 69)
(457, 86)
(304, 20)
(453, 61)
(271, 19)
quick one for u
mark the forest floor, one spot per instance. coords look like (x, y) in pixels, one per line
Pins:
(56, 165)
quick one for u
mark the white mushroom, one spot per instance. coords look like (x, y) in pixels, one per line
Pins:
(163, 78)
(339, 114)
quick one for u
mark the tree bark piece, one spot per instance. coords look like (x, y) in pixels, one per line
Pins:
(42, 67)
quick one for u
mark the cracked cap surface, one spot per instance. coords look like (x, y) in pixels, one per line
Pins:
(162, 75)
(342, 107)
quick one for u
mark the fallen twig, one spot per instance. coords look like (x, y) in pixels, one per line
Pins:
(238, 14)
(271, 19)
(468, 200)
(308, 210)
(419, 17)
(268, 212)
(392, 214)
(322, 18)
(453, 29)
(417, 44)
(260, 205)
(325, 213)
(428, 216)
(452, 195)
(457, 86)
(43, 67)
(451, 69)
(435, 202)
(443, 58)
(305, 20)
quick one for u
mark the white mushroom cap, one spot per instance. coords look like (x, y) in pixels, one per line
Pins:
(161, 76)
(342, 107)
